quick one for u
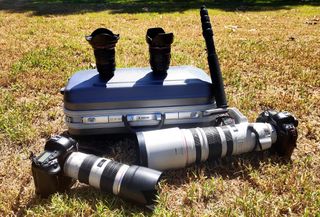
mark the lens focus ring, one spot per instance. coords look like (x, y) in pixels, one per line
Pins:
(214, 141)
(108, 176)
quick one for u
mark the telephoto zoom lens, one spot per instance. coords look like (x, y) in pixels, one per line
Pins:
(134, 183)
(178, 148)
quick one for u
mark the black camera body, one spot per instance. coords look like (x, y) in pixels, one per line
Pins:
(286, 126)
(47, 168)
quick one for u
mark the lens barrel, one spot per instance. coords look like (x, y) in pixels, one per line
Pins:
(159, 49)
(103, 42)
(177, 148)
(134, 183)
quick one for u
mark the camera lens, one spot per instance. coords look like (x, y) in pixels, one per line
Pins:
(159, 49)
(135, 183)
(103, 42)
(177, 148)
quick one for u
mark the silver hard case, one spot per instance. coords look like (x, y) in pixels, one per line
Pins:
(136, 99)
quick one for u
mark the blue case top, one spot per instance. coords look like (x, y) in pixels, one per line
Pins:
(138, 88)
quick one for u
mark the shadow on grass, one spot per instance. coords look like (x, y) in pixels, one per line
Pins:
(234, 167)
(65, 7)
(98, 203)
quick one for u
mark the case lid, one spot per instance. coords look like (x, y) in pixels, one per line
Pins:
(138, 88)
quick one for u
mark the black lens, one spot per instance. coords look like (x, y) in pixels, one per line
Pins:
(103, 41)
(105, 62)
(159, 49)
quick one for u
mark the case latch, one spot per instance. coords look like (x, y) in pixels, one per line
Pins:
(143, 117)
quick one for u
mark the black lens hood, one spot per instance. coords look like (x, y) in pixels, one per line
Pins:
(102, 39)
(103, 42)
(156, 37)
(139, 185)
(159, 49)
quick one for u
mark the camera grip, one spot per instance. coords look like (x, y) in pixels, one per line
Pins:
(46, 183)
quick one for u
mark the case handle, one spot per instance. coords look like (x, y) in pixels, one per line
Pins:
(136, 129)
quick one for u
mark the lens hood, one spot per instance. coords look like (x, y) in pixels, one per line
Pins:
(140, 185)
(158, 38)
(102, 38)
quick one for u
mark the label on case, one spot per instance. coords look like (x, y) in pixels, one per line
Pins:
(95, 120)
(144, 117)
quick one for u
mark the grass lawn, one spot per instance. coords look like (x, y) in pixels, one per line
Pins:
(270, 57)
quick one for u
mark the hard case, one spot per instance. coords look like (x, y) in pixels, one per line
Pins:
(137, 99)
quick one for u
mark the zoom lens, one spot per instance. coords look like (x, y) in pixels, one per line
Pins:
(135, 183)
(177, 148)
(159, 49)
(103, 42)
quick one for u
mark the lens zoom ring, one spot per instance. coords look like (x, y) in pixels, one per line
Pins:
(108, 175)
(214, 142)
(197, 144)
(85, 168)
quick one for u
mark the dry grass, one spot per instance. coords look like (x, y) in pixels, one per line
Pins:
(269, 59)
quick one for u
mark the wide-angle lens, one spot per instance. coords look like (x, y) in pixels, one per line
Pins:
(103, 42)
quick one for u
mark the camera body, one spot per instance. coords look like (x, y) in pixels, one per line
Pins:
(285, 125)
(47, 168)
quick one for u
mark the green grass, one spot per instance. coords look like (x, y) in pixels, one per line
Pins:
(269, 55)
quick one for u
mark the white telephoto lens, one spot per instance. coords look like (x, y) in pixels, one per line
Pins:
(176, 148)
(163, 149)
